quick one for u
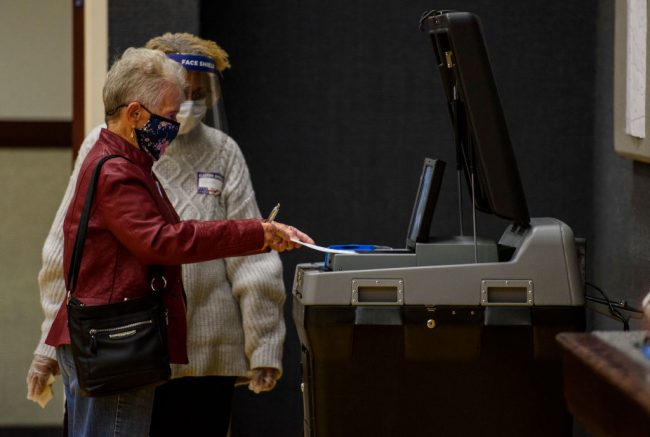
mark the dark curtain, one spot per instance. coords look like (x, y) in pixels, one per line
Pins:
(335, 104)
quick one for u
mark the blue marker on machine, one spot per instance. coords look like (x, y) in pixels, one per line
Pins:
(355, 247)
(645, 347)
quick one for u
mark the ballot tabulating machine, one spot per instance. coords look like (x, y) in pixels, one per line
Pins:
(448, 336)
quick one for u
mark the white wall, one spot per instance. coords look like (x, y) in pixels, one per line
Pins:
(33, 182)
(35, 84)
(36, 59)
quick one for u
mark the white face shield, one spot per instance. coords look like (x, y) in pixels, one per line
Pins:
(204, 101)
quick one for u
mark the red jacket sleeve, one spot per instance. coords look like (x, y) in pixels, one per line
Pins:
(133, 209)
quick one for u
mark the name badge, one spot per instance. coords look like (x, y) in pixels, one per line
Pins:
(209, 183)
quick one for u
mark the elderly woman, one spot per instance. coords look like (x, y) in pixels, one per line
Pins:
(235, 305)
(133, 226)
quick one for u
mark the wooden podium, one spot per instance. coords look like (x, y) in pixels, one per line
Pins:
(607, 382)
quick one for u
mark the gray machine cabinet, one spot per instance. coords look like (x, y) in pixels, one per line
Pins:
(440, 349)
(544, 257)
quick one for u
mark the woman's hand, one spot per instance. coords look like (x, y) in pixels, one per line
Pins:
(40, 375)
(278, 236)
(645, 305)
(263, 379)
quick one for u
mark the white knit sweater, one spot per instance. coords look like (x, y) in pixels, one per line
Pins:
(234, 305)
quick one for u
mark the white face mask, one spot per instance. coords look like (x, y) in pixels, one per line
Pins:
(190, 115)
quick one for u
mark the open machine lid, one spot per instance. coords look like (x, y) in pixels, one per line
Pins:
(482, 139)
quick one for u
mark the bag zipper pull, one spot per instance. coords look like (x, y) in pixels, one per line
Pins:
(93, 342)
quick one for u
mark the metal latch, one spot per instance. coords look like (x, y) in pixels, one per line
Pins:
(449, 59)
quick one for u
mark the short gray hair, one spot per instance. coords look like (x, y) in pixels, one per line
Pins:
(141, 75)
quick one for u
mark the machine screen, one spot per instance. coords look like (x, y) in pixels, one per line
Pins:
(425, 201)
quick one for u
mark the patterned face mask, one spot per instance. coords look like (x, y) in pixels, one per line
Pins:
(154, 137)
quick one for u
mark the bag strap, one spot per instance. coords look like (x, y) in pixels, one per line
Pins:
(80, 239)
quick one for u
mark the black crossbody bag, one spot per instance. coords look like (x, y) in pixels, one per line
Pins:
(118, 346)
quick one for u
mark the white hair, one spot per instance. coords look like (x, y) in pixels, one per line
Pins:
(141, 75)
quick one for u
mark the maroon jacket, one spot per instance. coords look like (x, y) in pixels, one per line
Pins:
(134, 226)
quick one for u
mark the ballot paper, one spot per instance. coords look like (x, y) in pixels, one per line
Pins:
(321, 248)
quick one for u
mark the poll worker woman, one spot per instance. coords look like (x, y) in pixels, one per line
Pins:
(235, 305)
(133, 225)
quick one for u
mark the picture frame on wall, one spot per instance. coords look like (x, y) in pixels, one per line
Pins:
(631, 80)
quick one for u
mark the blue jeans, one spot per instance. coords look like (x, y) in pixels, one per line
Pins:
(124, 414)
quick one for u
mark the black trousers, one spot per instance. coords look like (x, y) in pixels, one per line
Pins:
(193, 406)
